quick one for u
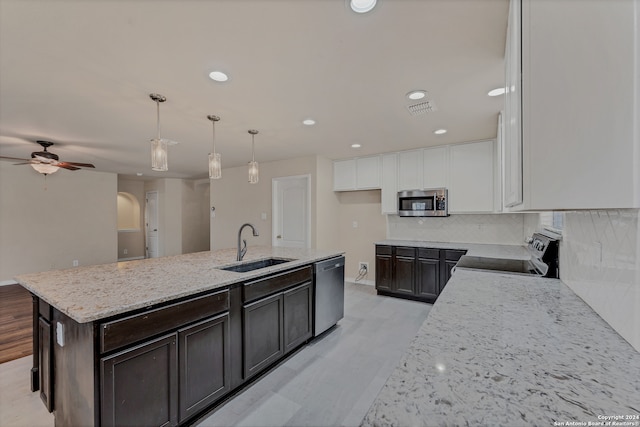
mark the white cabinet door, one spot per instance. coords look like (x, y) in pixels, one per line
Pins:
(410, 170)
(512, 141)
(368, 173)
(435, 167)
(471, 177)
(344, 175)
(389, 193)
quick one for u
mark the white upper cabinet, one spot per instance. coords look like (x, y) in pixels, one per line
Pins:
(580, 105)
(410, 170)
(357, 174)
(471, 177)
(368, 173)
(344, 175)
(435, 167)
(389, 193)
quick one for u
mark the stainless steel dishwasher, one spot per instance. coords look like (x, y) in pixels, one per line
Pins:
(329, 295)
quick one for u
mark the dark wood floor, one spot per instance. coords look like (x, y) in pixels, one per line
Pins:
(15, 323)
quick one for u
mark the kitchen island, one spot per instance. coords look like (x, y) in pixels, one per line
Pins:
(511, 350)
(160, 341)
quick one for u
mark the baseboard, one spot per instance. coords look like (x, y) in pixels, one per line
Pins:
(130, 259)
(362, 282)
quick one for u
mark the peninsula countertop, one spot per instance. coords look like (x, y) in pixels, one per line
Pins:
(95, 292)
(501, 349)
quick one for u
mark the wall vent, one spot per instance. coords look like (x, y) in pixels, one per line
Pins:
(421, 108)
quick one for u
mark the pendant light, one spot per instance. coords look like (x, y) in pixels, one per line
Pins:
(215, 162)
(158, 145)
(254, 174)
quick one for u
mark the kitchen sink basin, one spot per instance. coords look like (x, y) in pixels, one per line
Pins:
(255, 265)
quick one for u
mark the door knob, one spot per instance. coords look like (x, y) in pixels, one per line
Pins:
(278, 237)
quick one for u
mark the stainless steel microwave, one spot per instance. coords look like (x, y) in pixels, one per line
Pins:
(423, 202)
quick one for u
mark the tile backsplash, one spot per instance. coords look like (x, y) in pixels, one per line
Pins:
(599, 261)
(505, 229)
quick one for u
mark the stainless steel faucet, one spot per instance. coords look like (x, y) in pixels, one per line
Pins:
(242, 249)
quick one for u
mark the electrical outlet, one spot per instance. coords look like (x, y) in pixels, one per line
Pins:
(363, 266)
(126, 251)
(75, 262)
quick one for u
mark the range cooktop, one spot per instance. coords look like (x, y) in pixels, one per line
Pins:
(515, 266)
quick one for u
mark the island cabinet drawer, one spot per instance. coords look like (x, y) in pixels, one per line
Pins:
(429, 253)
(272, 284)
(122, 332)
(406, 252)
(384, 250)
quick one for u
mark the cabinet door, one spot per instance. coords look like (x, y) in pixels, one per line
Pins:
(472, 177)
(344, 175)
(404, 275)
(45, 350)
(428, 278)
(140, 385)
(410, 170)
(435, 167)
(262, 338)
(384, 272)
(389, 193)
(368, 173)
(204, 361)
(512, 121)
(297, 320)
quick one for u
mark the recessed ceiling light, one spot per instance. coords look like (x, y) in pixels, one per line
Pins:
(440, 131)
(218, 76)
(362, 6)
(309, 122)
(496, 92)
(416, 94)
(356, 145)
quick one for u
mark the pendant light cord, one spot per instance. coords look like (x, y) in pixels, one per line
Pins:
(253, 148)
(213, 135)
(158, 117)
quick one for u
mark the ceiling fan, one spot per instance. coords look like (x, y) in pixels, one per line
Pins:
(46, 162)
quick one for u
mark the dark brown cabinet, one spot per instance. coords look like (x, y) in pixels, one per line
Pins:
(276, 325)
(44, 369)
(414, 273)
(140, 385)
(204, 358)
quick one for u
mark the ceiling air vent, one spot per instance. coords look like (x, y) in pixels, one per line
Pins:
(421, 108)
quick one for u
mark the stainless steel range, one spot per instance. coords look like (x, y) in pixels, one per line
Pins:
(543, 262)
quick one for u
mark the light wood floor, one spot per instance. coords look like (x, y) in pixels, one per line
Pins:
(330, 382)
(15, 323)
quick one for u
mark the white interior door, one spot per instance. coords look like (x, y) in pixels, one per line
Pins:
(291, 212)
(151, 221)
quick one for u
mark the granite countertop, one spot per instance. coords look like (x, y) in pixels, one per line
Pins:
(474, 249)
(95, 292)
(500, 349)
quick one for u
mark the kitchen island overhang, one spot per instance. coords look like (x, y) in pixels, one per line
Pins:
(210, 331)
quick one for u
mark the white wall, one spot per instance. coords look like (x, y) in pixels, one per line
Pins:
(600, 261)
(46, 224)
(195, 215)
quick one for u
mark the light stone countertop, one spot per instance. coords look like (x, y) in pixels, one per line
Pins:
(95, 292)
(474, 249)
(500, 349)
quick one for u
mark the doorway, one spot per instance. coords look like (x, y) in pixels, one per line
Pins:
(291, 212)
(151, 222)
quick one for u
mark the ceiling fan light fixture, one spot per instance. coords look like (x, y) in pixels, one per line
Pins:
(159, 160)
(45, 168)
(215, 160)
(254, 170)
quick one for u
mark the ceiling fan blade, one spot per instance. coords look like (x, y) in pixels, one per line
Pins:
(13, 158)
(82, 165)
(67, 166)
(23, 163)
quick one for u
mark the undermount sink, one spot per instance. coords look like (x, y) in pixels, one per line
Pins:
(255, 265)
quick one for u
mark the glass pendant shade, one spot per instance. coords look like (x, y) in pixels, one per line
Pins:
(159, 155)
(254, 171)
(215, 160)
(158, 145)
(215, 166)
(45, 168)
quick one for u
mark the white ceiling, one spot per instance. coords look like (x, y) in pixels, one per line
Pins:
(79, 73)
